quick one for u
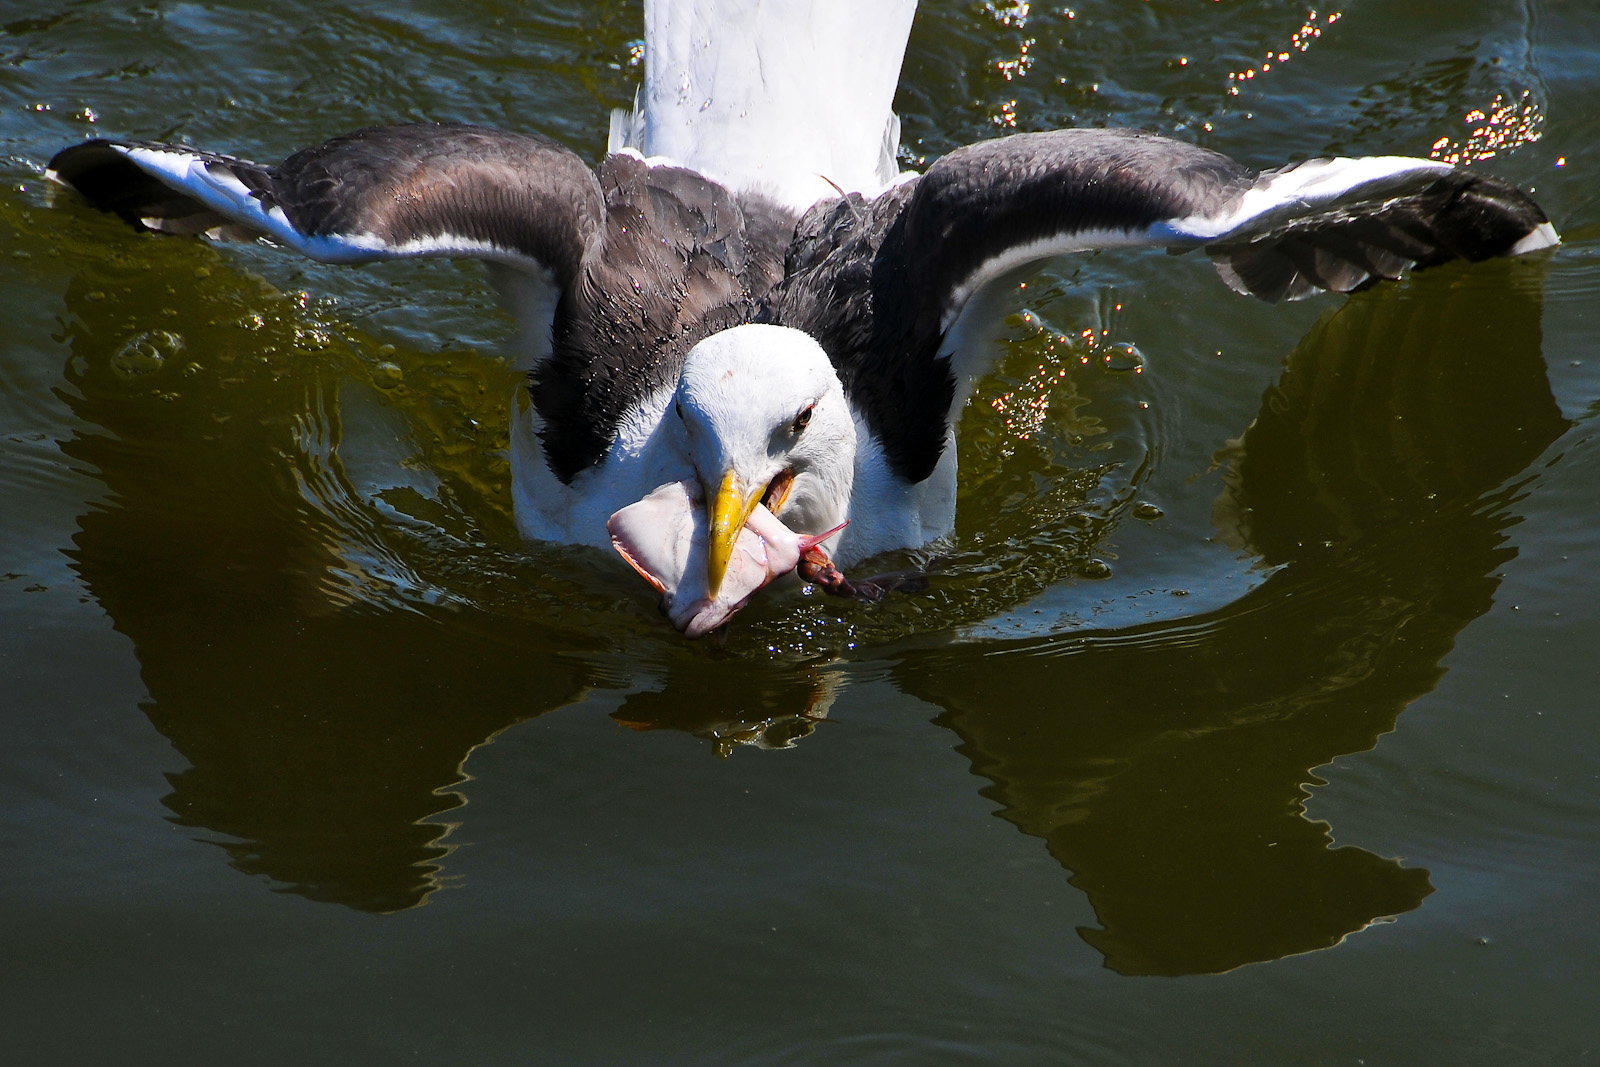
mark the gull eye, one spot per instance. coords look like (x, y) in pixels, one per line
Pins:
(802, 420)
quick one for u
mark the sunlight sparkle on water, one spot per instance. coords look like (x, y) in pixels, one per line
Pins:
(1014, 15)
(1506, 124)
(1299, 41)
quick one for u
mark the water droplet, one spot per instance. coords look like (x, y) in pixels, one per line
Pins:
(1147, 511)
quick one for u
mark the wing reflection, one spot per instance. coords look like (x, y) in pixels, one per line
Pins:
(324, 732)
(1166, 765)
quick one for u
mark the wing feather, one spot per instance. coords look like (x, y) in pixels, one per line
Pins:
(382, 193)
(884, 284)
(989, 209)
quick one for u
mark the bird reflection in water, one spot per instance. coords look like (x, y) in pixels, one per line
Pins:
(756, 704)
(324, 715)
(1164, 765)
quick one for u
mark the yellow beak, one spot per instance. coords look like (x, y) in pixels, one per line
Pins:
(728, 516)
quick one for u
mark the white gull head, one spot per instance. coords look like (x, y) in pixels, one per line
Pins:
(766, 422)
(770, 446)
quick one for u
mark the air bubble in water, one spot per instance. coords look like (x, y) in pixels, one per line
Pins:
(1147, 511)
(1095, 569)
(388, 375)
(146, 353)
(1122, 358)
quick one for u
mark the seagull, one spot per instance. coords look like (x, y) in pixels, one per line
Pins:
(749, 301)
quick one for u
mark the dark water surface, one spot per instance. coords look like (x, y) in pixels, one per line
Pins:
(1273, 630)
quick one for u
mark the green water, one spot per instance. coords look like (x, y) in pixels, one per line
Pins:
(1250, 717)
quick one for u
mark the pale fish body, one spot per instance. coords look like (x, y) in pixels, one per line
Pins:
(666, 538)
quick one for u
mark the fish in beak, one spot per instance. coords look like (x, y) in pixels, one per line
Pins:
(706, 567)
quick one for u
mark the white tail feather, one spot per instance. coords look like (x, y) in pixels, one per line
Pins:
(784, 97)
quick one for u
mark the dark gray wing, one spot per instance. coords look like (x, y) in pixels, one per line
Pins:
(381, 193)
(1324, 224)
(881, 284)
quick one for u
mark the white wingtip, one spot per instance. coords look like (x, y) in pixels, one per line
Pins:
(1541, 236)
(1300, 188)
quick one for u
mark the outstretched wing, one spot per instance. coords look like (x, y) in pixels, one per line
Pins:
(517, 200)
(1324, 224)
(882, 283)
